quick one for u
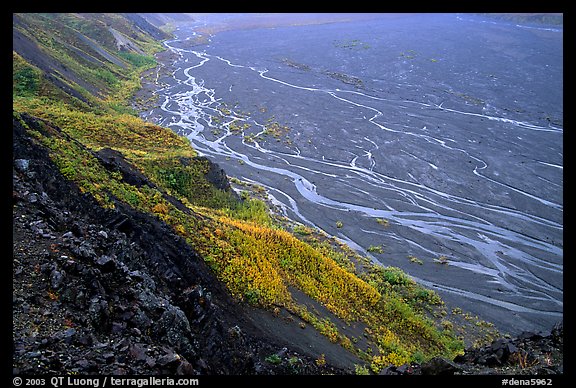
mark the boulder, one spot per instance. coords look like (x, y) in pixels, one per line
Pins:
(439, 366)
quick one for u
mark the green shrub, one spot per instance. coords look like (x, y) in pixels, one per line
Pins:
(107, 76)
(138, 60)
(273, 359)
(302, 230)
(26, 81)
(361, 370)
(252, 210)
(395, 276)
(375, 249)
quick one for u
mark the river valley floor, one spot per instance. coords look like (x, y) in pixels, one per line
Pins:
(432, 143)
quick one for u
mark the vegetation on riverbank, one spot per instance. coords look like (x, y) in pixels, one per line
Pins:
(376, 312)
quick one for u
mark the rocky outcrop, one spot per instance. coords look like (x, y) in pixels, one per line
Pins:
(114, 161)
(216, 175)
(530, 353)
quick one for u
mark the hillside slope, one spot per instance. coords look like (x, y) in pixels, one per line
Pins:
(116, 291)
(134, 255)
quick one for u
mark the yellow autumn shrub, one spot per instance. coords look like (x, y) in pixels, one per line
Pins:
(302, 266)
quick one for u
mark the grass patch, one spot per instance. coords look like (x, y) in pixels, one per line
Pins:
(415, 260)
(375, 249)
(382, 221)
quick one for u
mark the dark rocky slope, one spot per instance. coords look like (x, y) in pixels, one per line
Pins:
(116, 291)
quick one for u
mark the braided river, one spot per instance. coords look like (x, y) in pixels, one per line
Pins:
(437, 138)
